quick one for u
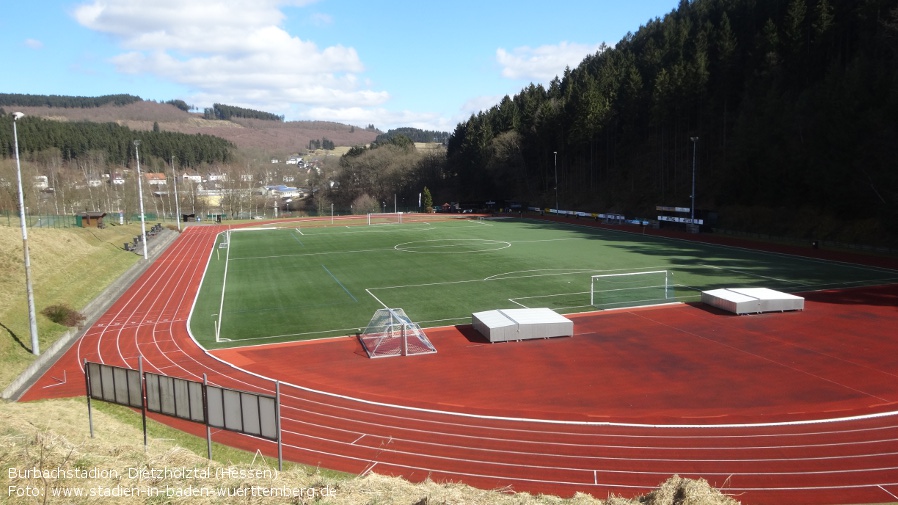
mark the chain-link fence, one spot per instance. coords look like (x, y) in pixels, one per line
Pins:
(11, 218)
(43, 221)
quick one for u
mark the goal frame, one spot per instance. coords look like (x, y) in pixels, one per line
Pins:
(594, 278)
(394, 335)
(388, 217)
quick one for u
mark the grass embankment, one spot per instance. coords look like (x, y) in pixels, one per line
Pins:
(46, 450)
(69, 266)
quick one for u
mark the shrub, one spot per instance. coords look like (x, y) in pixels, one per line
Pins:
(64, 315)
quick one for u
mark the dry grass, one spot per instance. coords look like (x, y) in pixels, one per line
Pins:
(428, 146)
(53, 436)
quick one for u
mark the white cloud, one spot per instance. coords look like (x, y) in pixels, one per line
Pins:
(321, 19)
(478, 104)
(543, 63)
(234, 50)
(34, 44)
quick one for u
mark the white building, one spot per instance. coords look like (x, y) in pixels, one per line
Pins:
(192, 177)
(282, 191)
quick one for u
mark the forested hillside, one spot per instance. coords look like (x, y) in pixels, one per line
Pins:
(792, 104)
(79, 102)
(780, 112)
(415, 134)
(274, 137)
(74, 140)
(226, 112)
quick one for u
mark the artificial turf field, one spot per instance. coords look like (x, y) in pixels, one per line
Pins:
(299, 282)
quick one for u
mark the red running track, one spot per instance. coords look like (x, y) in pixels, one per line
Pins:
(793, 408)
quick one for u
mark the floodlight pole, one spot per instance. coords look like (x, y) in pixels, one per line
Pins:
(143, 225)
(32, 317)
(556, 180)
(177, 203)
(694, 142)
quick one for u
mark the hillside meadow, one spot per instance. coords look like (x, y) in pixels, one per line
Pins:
(284, 137)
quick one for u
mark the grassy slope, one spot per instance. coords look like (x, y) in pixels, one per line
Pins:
(54, 435)
(69, 266)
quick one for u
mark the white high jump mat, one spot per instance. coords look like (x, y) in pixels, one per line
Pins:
(521, 324)
(752, 300)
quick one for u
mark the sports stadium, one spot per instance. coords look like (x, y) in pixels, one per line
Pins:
(796, 404)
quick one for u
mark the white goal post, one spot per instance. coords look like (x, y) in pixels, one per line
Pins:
(630, 289)
(384, 218)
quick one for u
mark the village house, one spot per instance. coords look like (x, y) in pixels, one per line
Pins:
(155, 179)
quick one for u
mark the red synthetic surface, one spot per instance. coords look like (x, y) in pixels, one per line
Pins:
(634, 397)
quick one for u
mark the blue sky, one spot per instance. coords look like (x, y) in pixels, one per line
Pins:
(428, 65)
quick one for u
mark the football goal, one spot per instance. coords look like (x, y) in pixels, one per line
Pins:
(631, 289)
(385, 218)
(392, 333)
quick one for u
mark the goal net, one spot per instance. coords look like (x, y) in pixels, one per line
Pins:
(392, 333)
(630, 289)
(385, 218)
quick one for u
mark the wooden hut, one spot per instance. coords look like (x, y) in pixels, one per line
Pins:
(90, 219)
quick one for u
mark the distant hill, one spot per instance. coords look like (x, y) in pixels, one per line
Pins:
(270, 136)
(75, 102)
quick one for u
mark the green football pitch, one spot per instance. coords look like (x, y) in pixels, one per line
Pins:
(284, 284)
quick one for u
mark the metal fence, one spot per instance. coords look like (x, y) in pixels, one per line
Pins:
(11, 218)
(43, 221)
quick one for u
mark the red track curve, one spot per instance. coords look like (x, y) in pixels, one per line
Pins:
(757, 458)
